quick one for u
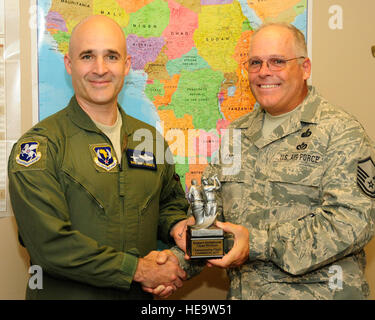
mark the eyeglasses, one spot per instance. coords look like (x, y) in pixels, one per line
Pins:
(273, 64)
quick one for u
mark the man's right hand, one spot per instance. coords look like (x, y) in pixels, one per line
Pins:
(151, 272)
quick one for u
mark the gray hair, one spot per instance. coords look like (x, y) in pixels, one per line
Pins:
(299, 38)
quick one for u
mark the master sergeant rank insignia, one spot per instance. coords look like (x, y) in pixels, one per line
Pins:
(29, 154)
(366, 177)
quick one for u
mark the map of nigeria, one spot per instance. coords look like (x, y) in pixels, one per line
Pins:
(187, 70)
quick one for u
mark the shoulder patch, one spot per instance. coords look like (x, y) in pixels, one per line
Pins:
(29, 153)
(366, 176)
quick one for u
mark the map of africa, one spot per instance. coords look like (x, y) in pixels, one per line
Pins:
(187, 72)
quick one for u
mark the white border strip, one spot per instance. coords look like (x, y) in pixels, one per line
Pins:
(34, 61)
(310, 32)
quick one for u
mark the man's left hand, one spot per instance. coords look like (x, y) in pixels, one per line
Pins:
(240, 251)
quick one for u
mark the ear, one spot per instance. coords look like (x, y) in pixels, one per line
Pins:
(306, 66)
(68, 64)
(128, 65)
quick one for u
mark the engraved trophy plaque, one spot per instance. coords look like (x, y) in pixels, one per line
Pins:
(204, 240)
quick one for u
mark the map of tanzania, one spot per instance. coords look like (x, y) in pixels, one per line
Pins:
(188, 57)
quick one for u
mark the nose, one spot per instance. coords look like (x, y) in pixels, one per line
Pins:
(264, 69)
(100, 67)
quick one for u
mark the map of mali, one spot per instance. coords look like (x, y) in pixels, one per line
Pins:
(187, 63)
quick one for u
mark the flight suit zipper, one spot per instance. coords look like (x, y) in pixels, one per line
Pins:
(87, 191)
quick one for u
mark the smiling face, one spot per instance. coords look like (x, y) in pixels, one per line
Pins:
(278, 92)
(97, 62)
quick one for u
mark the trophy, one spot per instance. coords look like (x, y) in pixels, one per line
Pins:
(203, 239)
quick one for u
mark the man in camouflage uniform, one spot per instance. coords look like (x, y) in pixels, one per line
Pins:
(304, 188)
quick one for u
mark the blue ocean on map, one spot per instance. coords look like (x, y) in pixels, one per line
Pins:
(134, 101)
(52, 96)
(300, 23)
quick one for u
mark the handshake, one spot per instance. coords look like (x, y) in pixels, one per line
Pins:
(160, 273)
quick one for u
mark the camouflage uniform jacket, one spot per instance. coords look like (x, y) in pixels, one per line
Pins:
(306, 194)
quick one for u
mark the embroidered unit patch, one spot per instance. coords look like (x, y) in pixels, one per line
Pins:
(104, 158)
(29, 154)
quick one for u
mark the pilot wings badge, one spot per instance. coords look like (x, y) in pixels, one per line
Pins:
(104, 158)
(29, 154)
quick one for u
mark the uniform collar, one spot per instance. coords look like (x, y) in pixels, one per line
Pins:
(308, 113)
(82, 119)
(309, 108)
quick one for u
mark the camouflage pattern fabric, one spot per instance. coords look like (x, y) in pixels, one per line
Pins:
(306, 195)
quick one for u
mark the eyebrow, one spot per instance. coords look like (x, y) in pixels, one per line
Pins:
(85, 52)
(90, 51)
(270, 56)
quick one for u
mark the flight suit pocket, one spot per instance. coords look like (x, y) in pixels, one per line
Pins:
(77, 187)
(87, 213)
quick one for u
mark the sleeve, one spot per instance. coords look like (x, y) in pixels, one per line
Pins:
(191, 267)
(342, 224)
(44, 224)
(173, 202)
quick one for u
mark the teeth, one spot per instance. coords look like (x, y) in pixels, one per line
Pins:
(267, 86)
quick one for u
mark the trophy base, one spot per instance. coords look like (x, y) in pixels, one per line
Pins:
(205, 243)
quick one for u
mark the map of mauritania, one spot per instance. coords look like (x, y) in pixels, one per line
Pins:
(187, 71)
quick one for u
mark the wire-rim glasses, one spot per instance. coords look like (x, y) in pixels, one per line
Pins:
(274, 64)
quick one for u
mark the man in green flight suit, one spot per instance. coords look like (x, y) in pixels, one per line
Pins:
(90, 199)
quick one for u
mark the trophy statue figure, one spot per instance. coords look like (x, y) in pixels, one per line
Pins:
(204, 240)
(203, 202)
(196, 198)
(211, 204)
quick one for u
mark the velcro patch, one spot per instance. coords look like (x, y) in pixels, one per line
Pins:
(366, 177)
(141, 159)
(104, 158)
(29, 153)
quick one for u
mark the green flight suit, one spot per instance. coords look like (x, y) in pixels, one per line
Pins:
(84, 218)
